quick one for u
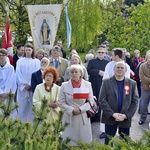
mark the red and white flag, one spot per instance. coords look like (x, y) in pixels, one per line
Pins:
(80, 93)
(7, 41)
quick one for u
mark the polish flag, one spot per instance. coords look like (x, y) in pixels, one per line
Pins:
(7, 41)
(80, 93)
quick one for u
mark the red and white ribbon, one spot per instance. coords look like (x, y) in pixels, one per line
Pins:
(127, 88)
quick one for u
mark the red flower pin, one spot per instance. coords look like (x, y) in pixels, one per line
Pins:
(127, 88)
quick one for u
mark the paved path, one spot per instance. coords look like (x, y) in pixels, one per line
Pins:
(136, 131)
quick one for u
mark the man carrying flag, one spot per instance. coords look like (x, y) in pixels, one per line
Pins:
(7, 41)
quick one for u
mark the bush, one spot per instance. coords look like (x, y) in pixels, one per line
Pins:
(17, 135)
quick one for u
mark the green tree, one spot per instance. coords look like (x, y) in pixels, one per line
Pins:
(18, 18)
(127, 26)
(90, 19)
(85, 17)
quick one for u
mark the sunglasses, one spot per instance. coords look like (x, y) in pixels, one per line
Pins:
(101, 52)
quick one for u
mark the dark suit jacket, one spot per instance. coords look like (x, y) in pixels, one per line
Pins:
(108, 100)
(63, 53)
(93, 68)
(15, 59)
(36, 79)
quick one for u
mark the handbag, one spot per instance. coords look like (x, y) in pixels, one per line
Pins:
(94, 108)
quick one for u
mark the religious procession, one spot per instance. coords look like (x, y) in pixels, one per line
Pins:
(68, 93)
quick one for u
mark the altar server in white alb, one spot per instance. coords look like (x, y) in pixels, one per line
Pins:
(25, 67)
(7, 79)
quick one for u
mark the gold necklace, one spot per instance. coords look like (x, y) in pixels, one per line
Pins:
(47, 88)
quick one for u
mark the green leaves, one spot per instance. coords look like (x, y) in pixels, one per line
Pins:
(127, 26)
(85, 18)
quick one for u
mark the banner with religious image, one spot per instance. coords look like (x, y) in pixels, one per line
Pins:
(44, 20)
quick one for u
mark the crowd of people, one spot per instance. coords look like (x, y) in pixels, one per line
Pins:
(116, 80)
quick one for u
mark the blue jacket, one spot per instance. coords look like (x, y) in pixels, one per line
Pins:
(36, 79)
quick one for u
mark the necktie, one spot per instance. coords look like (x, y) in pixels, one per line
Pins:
(56, 63)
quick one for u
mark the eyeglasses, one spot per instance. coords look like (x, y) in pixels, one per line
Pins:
(101, 52)
(2, 55)
(50, 76)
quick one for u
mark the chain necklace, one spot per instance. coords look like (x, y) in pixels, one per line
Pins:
(47, 88)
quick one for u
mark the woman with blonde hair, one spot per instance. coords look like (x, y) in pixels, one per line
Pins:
(72, 51)
(40, 53)
(75, 59)
(75, 106)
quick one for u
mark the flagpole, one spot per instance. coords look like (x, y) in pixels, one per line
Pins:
(7, 11)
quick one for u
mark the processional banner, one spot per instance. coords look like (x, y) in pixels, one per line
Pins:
(44, 20)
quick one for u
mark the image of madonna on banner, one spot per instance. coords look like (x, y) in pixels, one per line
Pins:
(45, 31)
(44, 21)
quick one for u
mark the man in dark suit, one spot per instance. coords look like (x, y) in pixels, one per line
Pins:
(36, 77)
(19, 54)
(118, 99)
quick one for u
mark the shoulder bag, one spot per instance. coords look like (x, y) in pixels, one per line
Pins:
(94, 108)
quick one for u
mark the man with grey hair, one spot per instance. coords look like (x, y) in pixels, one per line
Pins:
(37, 76)
(58, 62)
(117, 55)
(88, 57)
(118, 99)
